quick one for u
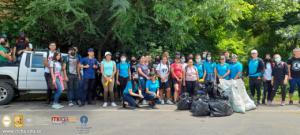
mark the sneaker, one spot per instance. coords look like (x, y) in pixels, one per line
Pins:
(144, 102)
(113, 104)
(57, 106)
(71, 104)
(104, 104)
(170, 102)
(282, 103)
(125, 104)
(153, 106)
(162, 102)
(269, 103)
(291, 102)
(257, 103)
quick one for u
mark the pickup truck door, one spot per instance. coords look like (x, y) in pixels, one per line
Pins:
(35, 73)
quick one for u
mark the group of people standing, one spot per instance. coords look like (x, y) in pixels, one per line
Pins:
(162, 80)
(272, 74)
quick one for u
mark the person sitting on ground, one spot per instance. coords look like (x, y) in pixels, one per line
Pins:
(152, 92)
(130, 93)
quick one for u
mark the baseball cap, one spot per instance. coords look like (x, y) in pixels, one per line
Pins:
(90, 50)
(152, 74)
(296, 49)
(254, 52)
(234, 56)
(107, 53)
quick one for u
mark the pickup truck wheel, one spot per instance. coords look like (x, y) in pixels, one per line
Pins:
(6, 93)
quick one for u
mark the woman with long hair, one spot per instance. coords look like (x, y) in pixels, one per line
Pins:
(59, 75)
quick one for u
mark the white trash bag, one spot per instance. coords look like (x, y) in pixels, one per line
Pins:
(238, 97)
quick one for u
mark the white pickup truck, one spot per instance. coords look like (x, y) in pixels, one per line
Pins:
(26, 77)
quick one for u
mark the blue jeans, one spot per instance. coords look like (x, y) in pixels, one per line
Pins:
(142, 84)
(88, 90)
(293, 83)
(73, 87)
(130, 99)
(58, 91)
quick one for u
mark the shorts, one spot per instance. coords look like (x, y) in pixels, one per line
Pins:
(174, 80)
(164, 85)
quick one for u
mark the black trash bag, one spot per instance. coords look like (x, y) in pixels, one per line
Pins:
(200, 89)
(184, 103)
(200, 108)
(212, 89)
(220, 108)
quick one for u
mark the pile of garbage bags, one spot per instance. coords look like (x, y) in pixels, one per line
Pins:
(218, 100)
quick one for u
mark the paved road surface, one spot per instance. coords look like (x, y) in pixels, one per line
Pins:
(265, 120)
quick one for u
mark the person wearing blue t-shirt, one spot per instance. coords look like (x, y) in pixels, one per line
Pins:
(209, 69)
(236, 68)
(255, 73)
(223, 69)
(152, 92)
(89, 65)
(200, 66)
(123, 75)
(108, 70)
(131, 93)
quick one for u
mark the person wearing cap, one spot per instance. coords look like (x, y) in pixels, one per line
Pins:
(21, 46)
(294, 73)
(47, 59)
(73, 73)
(177, 76)
(236, 68)
(223, 69)
(267, 79)
(152, 92)
(123, 75)
(108, 70)
(143, 73)
(255, 73)
(279, 78)
(89, 65)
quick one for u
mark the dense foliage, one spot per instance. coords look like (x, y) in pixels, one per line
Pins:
(153, 26)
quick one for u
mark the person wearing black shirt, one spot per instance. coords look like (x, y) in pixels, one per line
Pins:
(294, 73)
(279, 78)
